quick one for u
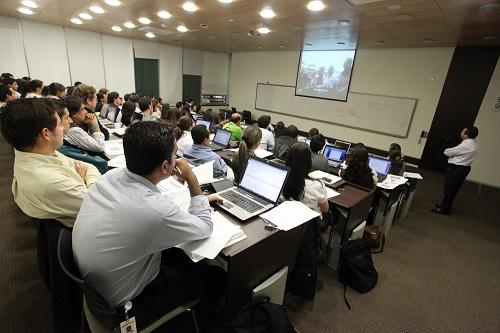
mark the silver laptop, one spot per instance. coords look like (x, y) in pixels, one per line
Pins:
(221, 139)
(205, 123)
(258, 191)
(342, 144)
(334, 155)
(381, 166)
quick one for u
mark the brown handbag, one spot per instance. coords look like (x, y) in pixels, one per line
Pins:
(375, 238)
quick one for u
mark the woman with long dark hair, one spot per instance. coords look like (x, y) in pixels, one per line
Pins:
(250, 141)
(358, 171)
(398, 165)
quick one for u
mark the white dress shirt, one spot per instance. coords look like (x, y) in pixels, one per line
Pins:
(185, 142)
(78, 137)
(124, 224)
(267, 142)
(464, 153)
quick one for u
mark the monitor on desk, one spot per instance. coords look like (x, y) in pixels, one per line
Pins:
(334, 153)
(380, 165)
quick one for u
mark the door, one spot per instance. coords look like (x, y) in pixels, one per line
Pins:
(146, 77)
(191, 88)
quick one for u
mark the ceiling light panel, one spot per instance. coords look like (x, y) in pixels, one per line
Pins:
(315, 6)
(29, 3)
(114, 3)
(76, 20)
(164, 14)
(116, 28)
(150, 35)
(189, 7)
(129, 25)
(96, 9)
(85, 16)
(144, 20)
(25, 11)
(267, 13)
(263, 30)
(182, 28)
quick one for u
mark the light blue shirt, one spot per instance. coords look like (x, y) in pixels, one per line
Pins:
(202, 154)
(124, 224)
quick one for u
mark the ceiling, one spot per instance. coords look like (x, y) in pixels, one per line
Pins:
(370, 23)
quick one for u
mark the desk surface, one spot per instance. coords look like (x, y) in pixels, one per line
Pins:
(350, 196)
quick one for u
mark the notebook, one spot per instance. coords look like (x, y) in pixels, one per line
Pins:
(205, 123)
(221, 139)
(259, 189)
(334, 154)
(380, 165)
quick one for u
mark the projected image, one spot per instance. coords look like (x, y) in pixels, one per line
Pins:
(325, 74)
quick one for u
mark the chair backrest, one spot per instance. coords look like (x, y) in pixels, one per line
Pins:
(247, 116)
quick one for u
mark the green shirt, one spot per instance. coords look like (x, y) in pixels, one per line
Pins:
(236, 131)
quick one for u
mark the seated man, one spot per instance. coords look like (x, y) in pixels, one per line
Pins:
(89, 97)
(6, 95)
(200, 153)
(47, 184)
(126, 222)
(267, 142)
(319, 162)
(146, 108)
(234, 126)
(283, 142)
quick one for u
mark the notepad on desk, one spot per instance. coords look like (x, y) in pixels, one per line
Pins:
(262, 153)
(391, 182)
(413, 175)
(289, 214)
(113, 148)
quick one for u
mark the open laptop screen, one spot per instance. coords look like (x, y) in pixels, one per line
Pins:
(222, 137)
(380, 165)
(264, 178)
(334, 153)
(205, 123)
(342, 144)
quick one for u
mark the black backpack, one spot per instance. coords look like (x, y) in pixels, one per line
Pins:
(355, 267)
(260, 316)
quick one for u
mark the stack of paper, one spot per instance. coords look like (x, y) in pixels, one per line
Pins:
(113, 148)
(391, 182)
(289, 214)
(178, 191)
(327, 177)
(204, 173)
(224, 234)
(413, 175)
(117, 162)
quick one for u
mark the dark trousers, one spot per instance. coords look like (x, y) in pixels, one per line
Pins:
(454, 178)
(178, 282)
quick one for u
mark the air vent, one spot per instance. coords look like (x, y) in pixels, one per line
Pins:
(156, 31)
(364, 2)
(253, 33)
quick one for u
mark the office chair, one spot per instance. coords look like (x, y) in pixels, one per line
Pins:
(246, 117)
(100, 316)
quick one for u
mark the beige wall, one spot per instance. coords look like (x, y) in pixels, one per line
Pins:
(485, 168)
(417, 73)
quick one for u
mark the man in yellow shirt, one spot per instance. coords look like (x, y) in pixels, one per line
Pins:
(47, 184)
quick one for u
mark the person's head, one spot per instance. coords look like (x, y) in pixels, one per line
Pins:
(134, 98)
(6, 75)
(179, 105)
(165, 106)
(57, 89)
(317, 143)
(394, 146)
(299, 161)
(200, 135)
(45, 91)
(185, 123)
(26, 78)
(76, 109)
(198, 109)
(145, 104)
(104, 94)
(470, 132)
(190, 101)
(6, 94)
(128, 110)
(87, 94)
(113, 98)
(11, 82)
(77, 83)
(170, 116)
(236, 118)
(32, 124)
(358, 158)
(63, 113)
(292, 131)
(251, 138)
(36, 86)
(313, 131)
(264, 121)
(154, 140)
(69, 90)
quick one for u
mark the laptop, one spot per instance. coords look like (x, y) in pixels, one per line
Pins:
(221, 139)
(334, 154)
(381, 166)
(342, 144)
(259, 189)
(205, 123)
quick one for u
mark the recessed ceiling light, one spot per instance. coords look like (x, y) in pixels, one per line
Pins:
(267, 13)
(344, 22)
(404, 17)
(129, 25)
(282, 46)
(96, 9)
(76, 20)
(428, 40)
(394, 7)
(25, 10)
(116, 28)
(212, 37)
(182, 28)
(298, 28)
(189, 6)
(315, 6)
(85, 16)
(144, 20)
(263, 30)
(489, 7)
(226, 1)
(150, 35)
(231, 21)
(114, 3)
(164, 14)
(29, 3)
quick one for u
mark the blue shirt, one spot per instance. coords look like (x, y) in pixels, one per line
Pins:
(202, 154)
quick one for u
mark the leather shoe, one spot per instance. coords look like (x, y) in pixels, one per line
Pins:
(439, 211)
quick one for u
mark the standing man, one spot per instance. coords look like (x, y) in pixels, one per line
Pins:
(459, 160)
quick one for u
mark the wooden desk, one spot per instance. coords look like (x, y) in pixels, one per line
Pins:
(254, 259)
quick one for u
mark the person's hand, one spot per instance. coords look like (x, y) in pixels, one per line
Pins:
(81, 169)
(183, 170)
(215, 198)
(90, 119)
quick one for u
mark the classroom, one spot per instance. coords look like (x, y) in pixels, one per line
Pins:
(190, 165)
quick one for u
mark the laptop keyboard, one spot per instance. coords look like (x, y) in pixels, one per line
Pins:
(241, 201)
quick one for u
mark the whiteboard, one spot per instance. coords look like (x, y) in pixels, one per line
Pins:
(375, 113)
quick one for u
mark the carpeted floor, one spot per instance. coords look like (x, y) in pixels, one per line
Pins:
(437, 273)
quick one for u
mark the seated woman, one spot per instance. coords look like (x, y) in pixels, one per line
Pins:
(319, 162)
(183, 133)
(358, 171)
(398, 165)
(170, 116)
(91, 140)
(298, 186)
(128, 112)
(250, 141)
(76, 153)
